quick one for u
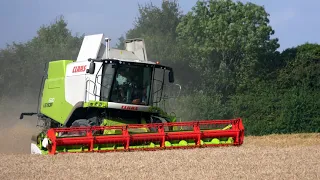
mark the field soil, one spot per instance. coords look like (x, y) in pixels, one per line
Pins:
(269, 157)
(294, 156)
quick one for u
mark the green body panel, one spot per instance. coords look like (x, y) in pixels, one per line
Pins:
(111, 122)
(53, 103)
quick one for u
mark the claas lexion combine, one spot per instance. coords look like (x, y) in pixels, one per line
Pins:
(115, 100)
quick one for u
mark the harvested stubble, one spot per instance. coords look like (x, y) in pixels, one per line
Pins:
(268, 157)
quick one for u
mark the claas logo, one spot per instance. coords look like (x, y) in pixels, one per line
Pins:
(129, 108)
(79, 69)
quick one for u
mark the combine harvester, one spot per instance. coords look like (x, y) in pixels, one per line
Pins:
(113, 100)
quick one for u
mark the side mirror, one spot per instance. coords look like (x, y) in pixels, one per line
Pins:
(92, 67)
(171, 77)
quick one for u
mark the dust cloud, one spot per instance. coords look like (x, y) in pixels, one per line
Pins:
(15, 134)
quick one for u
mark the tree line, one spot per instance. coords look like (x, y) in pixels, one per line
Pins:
(223, 56)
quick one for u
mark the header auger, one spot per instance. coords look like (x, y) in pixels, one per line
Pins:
(113, 100)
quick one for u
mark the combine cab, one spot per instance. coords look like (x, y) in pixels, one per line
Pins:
(113, 100)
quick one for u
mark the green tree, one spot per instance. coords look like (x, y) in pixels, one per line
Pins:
(300, 79)
(157, 26)
(230, 44)
(302, 67)
(289, 103)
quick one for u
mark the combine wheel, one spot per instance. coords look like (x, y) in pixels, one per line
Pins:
(34, 147)
(77, 123)
(80, 123)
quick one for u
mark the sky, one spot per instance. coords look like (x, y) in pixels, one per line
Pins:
(294, 21)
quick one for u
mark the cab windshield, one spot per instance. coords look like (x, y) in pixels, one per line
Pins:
(131, 85)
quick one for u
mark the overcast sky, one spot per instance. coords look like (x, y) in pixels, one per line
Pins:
(294, 21)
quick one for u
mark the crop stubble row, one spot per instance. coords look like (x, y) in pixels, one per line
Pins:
(268, 157)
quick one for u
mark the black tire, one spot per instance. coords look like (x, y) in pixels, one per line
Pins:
(79, 123)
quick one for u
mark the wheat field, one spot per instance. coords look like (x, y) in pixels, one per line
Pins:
(294, 156)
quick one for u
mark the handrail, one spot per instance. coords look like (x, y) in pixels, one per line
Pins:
(94, 90)
(94, 93)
